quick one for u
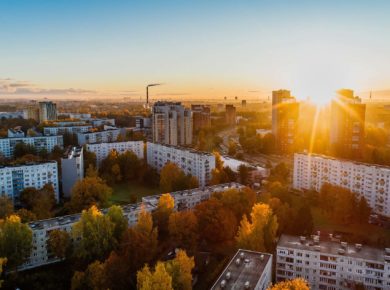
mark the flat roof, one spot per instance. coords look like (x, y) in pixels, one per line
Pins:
(332, 246)
(191, 150)
(249, 269)
(29, 163)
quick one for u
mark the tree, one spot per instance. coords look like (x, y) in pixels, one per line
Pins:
(59, 243)
(89, 191)
(15, 240)
(183, 230)
(89, 159)
(218, 176)
(41, 202)
(216, 223)
(172, 178)
(109, 169)
(129, 165)
(260, 233)
(295, 284)
(218, 160)
(93, 278)
(164, 209)
(363, 210)
(159, 279)
(3, 261)
(94, 233)
(180, 270)
(280, 173)
(115, 213)
(304, 220)
(22, 149)
(232, 150)
(243, 172)
(6, 207)
(26, 216)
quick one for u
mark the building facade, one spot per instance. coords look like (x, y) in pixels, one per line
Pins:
(347, 125)
(31, 111)
(246, 270)
(102, 150)
(41, 255)
(7, 145)
(311, 171)
(105, 136)
(171, 123)
(11, 115)
(13, 179)
(47, 111)
(285, 113)
(200, 117)
(196, 163)
(332, 265)
(61, 130)
(72, 169)
(230, 114)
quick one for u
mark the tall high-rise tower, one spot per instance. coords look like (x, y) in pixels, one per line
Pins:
(347, 125)
(171, 123)
(47, 111)
(285, 113)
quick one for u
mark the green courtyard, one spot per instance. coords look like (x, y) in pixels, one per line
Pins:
(127, 192)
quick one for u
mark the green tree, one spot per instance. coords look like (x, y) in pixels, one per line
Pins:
(94, 233)
(59, 243)
(115, 213)
(129, 165)
(15, 241)
(22, 149)
(6, 207)
(89, 159)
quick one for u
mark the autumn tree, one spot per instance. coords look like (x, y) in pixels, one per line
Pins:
(115, 214)
(41, 202)
(259, 233)
(59, 243)
(89, 159)
(109, 168)
(159, 279)
(25, 215)
(164, 209)
(6, 207)
(243, 173)
(93, 278)
(129, 165)
(172, 178)
(94, 233)
(295, 284)
(216, 222)
(15, 241)
(180, 269)
(89, 191)
(3, 261)
(183, 230)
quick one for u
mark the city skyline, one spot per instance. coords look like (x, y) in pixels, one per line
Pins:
(203, 50)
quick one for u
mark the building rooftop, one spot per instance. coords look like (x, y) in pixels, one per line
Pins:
(313, 155)
(73, 152)
(245, 267)
(333, 246)
(183, 149)
(29, 163)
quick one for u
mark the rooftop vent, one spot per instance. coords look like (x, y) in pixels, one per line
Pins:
(302, 239)
(317, 248)
(344, 245)
(247, 285)
(341, 251)
(358, 247)
(387, 251)
(238, 261)
(242, 255)
(228, 275)
(262, 257)
(223, 283)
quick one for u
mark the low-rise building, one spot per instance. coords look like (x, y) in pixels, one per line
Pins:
(246, 270)
(7, 145)
(331, 264)
(196, 163)
(102, 150)
(72, 169)
(104, 136)
(255, 173)
(372, 181)
(41, 255)
(15, 178)
(61, 130)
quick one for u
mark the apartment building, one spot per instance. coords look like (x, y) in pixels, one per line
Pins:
(41, 255)
(197, 163)
(230, 114)
(104, 136)
(15, 178)
(372, 181)
(200, 117)
(12, 115)
(332, 265)
(7, 145)
(47, 111)
(171, 123)
(285, 112)
(72, 168)
(103, 149)
(16, 132)
(246, 270)
(61, 130)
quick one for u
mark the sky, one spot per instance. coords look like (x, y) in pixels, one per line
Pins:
(197, 49)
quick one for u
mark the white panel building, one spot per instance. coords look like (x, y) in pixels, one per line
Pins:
(196, 163)
(61, 130)
(103, 149)
(41, 255)
(110, 135)
(331, 264)
(7, 145)
(368, 180)
(72, 169)
(13, 179)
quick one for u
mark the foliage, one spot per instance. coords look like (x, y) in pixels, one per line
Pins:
(180, 270)
(59, 243)
(243, 172)
(159, 279)
(3, 261)
(115, 213)
(172, 178)
(295, 284)
(93, 278)
(41, 202)
(184, 230)
(6, 207)
(15, 240)
(161, 215)
(22, 149)
(89, 159)
(26, 215)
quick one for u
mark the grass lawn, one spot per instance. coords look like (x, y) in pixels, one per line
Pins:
(122, 192)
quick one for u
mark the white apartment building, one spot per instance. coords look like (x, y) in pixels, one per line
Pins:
(331, 264)
(110, 135)
(246, 270)
(12, 115)
(47, 111)
(171, 123)
(371, 181)
(196, 163)
(61, 130)
(7, 145)
(102, 150)
(15, 178)
(40, 254)
(72, 169)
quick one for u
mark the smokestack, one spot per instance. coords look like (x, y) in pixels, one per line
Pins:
(147, 91)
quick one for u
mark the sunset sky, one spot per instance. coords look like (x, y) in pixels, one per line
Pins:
(198, 49)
